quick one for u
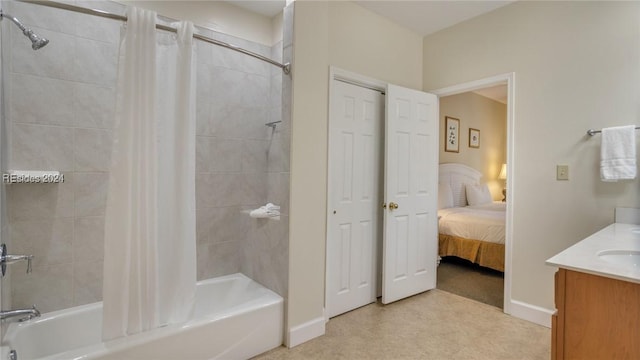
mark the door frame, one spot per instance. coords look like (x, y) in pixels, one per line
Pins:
(509, 79)
(338, 74)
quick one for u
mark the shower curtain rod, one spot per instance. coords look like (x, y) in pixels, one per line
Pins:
(286, 68)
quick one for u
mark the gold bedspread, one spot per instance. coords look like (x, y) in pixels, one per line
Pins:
(483, 253)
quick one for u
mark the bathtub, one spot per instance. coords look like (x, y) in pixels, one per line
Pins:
(234, 318)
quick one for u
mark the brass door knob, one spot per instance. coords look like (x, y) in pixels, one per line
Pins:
(393, 206)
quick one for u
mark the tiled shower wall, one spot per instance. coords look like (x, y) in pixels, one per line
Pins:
(265, 251)
(60, 117)
(60, 103)
(241, 164)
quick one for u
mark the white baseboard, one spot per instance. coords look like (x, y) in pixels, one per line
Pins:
(305, 332)
(535, 314)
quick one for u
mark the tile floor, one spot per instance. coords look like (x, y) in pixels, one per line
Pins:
(432, 325)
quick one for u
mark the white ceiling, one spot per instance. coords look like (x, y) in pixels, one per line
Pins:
(269, 8)
(497, 93)
(427, 17)
(422, 16)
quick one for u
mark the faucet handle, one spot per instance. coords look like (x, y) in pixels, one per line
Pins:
(8, 259)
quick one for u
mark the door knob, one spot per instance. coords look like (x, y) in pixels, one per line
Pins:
(393, 206)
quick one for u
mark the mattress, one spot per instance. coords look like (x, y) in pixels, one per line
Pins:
(483, 222)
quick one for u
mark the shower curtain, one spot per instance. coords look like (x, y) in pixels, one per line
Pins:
(150, 256)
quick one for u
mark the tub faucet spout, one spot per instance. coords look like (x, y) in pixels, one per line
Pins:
(25, 314)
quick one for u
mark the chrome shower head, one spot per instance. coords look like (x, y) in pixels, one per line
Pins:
(37, 42)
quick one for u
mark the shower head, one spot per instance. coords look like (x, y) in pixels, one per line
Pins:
(37, 42)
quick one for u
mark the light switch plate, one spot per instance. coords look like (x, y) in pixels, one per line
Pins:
(562, 172)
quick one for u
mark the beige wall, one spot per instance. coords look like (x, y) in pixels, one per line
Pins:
(488, 116)
(345, 35)
(221, 17)
(577, 66)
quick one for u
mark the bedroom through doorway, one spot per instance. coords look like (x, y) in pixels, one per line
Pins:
(473, 197)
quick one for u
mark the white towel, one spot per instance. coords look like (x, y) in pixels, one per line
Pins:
(268, 211)
(618, 153)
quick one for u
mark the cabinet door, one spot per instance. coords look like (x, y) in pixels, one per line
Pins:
(601, 318)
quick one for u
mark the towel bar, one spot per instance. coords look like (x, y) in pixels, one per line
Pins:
(592, 132)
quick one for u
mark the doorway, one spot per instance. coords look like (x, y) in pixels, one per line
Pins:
(382, 218)
(507, 80)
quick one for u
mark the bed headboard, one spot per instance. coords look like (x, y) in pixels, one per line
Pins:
(456, 175)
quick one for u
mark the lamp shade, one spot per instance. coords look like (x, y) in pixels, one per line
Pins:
(503, 172)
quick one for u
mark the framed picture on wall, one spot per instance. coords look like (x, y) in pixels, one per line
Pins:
(451, 134)
(474, 138)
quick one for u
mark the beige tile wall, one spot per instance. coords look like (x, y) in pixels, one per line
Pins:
(60, 111)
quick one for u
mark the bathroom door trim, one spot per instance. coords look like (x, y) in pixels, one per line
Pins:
(510, 306)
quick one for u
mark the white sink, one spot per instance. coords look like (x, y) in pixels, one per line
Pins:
(621, 257)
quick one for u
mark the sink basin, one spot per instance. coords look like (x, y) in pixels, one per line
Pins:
(621, 257)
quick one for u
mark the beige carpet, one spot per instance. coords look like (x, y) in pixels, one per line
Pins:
(433, 325)
(461, 277)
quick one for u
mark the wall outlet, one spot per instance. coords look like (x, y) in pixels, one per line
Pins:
(562, 172)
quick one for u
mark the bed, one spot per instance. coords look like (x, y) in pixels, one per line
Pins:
(470, 225)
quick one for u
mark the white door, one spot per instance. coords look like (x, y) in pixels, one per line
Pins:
(410, 243)
(354, 232)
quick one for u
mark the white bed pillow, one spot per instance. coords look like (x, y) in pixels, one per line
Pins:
(457, 191)
(478, 194)
(445, 196)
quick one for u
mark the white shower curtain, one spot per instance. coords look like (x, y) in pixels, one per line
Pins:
(150, 257)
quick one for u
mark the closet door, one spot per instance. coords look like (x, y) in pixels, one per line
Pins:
(410, 244)
(355, 194)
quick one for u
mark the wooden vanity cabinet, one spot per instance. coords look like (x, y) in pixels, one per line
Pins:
(596, 318)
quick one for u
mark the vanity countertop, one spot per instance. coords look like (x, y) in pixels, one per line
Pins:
(583, 256)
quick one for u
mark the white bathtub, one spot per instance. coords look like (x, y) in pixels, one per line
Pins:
(234, 318)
